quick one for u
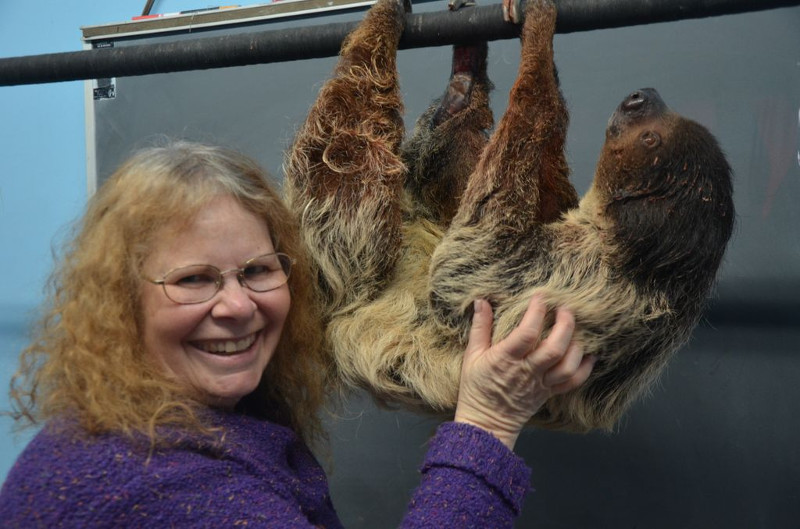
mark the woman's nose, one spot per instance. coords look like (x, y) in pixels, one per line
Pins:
(233, 300)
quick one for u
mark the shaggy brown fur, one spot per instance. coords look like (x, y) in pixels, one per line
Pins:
(405, 239)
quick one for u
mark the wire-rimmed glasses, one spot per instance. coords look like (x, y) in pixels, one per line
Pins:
(200, 282)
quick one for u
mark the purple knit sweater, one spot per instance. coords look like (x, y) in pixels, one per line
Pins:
(263, 476)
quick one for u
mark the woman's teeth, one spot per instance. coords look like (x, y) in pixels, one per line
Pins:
(228, 346)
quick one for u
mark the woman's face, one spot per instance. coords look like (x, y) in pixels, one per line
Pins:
(219, 347)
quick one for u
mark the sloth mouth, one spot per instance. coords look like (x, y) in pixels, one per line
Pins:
(227, 347)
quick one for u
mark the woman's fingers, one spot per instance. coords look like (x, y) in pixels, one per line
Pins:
(565, 364)
(579, 377)
(565, 368)
(524, 338)
(504, 384)
(553, 348)
(480, 334)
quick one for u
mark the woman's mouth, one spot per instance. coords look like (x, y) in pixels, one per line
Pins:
(227, 347)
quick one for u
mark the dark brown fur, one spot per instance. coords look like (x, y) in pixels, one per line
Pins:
(405, 239)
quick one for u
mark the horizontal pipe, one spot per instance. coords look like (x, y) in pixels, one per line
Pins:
(422, 30)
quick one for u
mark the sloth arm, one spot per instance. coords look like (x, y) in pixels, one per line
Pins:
(520, 182)
(522, 176)
(343, 173)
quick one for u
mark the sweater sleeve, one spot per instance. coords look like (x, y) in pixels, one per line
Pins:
(469, 479)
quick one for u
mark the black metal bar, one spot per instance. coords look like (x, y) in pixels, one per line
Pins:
(422, 30)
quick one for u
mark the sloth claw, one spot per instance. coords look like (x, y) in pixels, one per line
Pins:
(512, 11)
(455, 5)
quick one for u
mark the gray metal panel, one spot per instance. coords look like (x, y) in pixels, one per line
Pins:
(716, 445)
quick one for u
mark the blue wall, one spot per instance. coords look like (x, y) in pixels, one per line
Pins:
(42, 166)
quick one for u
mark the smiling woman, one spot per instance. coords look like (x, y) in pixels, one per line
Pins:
(123, 365)
(169, 207)
(222, 344)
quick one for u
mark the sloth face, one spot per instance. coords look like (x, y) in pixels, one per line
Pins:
(664, 184)
(653, 153)
(638, 134)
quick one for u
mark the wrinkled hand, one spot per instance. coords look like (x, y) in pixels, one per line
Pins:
(504, 385)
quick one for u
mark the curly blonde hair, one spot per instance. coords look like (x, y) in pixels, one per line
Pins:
(86, 357)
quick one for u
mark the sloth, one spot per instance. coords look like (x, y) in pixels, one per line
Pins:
(404, 236)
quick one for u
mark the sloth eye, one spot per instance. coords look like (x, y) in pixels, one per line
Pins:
(650, 139)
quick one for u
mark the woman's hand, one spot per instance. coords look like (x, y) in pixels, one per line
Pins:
(504, 385)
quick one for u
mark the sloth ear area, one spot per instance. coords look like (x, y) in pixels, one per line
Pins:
(650, 139)
(648, 135)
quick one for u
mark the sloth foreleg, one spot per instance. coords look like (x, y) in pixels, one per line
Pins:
(520, 182)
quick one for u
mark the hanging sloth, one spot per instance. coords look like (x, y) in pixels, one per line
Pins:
(405, 237)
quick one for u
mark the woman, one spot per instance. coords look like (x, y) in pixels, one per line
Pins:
(179, 370)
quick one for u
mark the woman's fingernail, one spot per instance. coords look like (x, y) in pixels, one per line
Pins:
(477, 305)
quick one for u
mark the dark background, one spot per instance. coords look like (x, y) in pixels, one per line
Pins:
(717, 442)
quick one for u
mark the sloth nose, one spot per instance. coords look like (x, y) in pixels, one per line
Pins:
(641, 98)
(635, 101)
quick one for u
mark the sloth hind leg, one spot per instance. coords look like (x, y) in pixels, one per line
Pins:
(344, 175)
(449, 137)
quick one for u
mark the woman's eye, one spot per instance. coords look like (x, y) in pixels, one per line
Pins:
(257, 270)
(195, 280)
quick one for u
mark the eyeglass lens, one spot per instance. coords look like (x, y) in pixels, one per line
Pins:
(198, 283)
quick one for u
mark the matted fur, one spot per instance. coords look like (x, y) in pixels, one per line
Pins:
(404, 239)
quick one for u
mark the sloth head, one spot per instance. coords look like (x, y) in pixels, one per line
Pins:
(664, 188)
